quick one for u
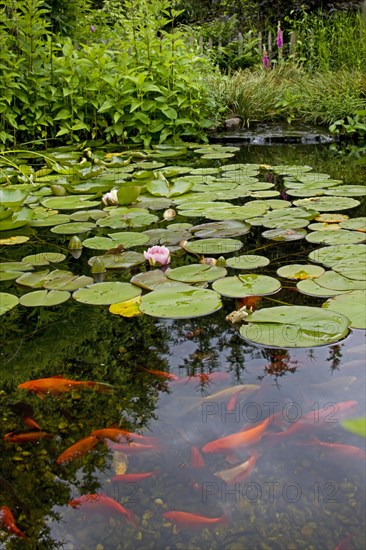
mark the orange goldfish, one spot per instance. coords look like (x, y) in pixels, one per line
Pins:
(7, 522)
(31, 423)
(121, 436)
(58, 384)
(250, 302)
(26, 436)
(78, 449)
(240, 472)
(162, 374)
(195, 521)
(130, 448)
(336, 450)
(102, 503)
(131, 478)
(196, 458)
(244, 438)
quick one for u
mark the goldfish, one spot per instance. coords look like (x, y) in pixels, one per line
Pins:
(121, 436)
(131, 478)
(162, 374)
(250, 302)
(130, 448)
(78, 449)
(26, 436)
(232, 390)
(31, 423)
(324, 418)
(346, 543)
(58, 384)
(195, 521)
(101, 503)
(196, 458)
(244, 438)
(7, 522)
(338, 450)
(203, 377)
(240, 472)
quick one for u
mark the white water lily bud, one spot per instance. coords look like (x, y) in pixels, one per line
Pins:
(169, 214)
(208, 261)
(111, 198)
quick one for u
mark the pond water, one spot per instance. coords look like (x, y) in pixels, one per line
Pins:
(294, 478)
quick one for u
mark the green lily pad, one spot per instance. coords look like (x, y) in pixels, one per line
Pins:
(341, 236)
(330, 255)
(44, 298)
(347, 191)
(87, 215)
(11, 241)
(355, 425)
(12, 197)
(129, 238)
(99, 243)
(352, 305)
(50, 221)
(7, 302)
(15, 266)
(294, 327)
(328, 204)
(331, 218)
(169, 237)
(311, 288)
(44, 258)
(65, 280)
(352, 269)
(291, 170)
(217, 155)
(246, 285)
(195, 273)
(336, 281)
(213, 246)
(33, 280)
(318, 226)
(357, 224)
(249, 261)
(149, 280)
(73, 228)
(10, 275)
(230, 228)
(300, 271)
(70, 202)
(128, 193)
(106, 293)
(180, 303)
(162, 188)
(120, 261)
(153, 203)
(284, 234)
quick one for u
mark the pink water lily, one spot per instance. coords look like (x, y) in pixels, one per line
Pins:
(158, 255)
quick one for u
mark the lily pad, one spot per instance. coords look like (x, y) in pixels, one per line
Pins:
(331, 218)
(352, 305)
(300, 271)
(120, 261)
(328, 204)
(246, 285)
(99, 243)
(248, 261)
(10, 241)
(195, 273)
(341, 236)
(129, 238)
(357, 224)
(294, 327)
(284, 234)
(230, 228)
(213, 246)
(73, 228)
(352, 269)
(336, 281)
(129, 308)
(180, 303)
(355, 425)
(330, 255)
(7, 302)
(347, 191)
(15, 266)
(44, 258)
(149, 280)
(44, 298)
(65, 280)
(10, 275)
(33, 280)
(70, 202)
(106, 293)
(311, 288)
(50, 221)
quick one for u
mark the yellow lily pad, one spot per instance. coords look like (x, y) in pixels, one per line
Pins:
(129, 308)
(19, 239)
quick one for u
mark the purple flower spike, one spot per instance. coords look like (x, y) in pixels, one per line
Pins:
(265, 59)
(279, 38)
(92, 28)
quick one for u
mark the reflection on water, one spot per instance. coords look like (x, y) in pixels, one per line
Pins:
(296, 481)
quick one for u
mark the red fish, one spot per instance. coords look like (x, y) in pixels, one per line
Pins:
(193, 521)
(122, 436)
(7, 522)
(240, 472)
(78, 449)
(130, 448)
(338, 450)
(31, 423)
(58, 384)
(162, 374)
(324, 418)
(102, 503)
(26, 436)
(250, 302)
(346, 543)
(203, 378)
(131, 478)
(244, 438)
(196, 458)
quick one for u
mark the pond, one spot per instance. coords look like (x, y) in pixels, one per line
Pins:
(214, 418)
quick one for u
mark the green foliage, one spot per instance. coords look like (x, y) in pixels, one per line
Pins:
(144, 84)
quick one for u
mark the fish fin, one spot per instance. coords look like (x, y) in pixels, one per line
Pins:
(233, 458)
(40, 395)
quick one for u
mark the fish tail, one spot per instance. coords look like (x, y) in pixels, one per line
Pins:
(99, 386)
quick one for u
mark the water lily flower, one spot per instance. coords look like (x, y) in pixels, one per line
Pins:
(279, 38)
(157, 255)
(111, 198)
(265, 59)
